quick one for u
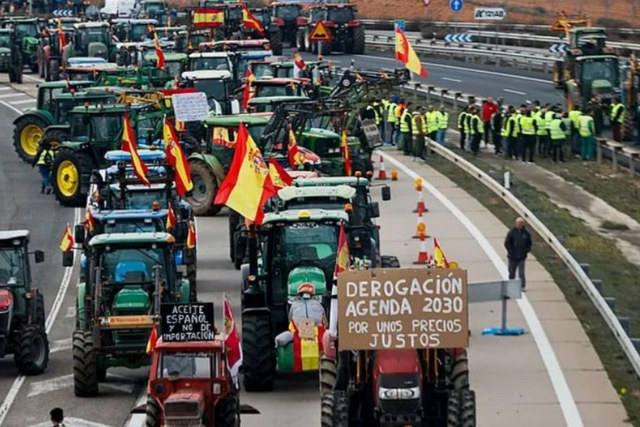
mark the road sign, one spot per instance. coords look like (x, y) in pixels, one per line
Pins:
(489, 14)
(63, 12)
(456, 5)
(458, 38)
(402, 24)
(558, 48)
(185, 322)
(320, 33)
(426, 2)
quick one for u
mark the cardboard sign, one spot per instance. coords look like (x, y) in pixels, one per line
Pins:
(306, 329)
(404, 308)
(187, 322)
(190, 107)
(320, 33)
(371, 132)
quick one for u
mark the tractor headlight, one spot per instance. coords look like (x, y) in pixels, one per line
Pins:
(399, 393)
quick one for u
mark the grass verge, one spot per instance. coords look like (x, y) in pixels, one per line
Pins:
(621, 279)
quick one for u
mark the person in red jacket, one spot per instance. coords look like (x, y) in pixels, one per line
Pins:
(489, 108)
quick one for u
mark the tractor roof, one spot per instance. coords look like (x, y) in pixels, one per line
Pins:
(210, 55)
(242, 43)
(13, 234)
(278, 81)
(6, 31)
(107, 108)
(124, 238)
(140, 187)
(351, 181)
(338, 191)
(87, 25)
(62, 83)
(135, 21)
(207, 75)
(124, 156)
(20, 19)
(168, 56)
(583, 57)
(267, 100)
(234, 121)
(301, 215)
(256, 55)
(126, 215)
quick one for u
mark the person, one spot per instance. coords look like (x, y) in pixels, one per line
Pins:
(489, 108)
(518, 245)
(433, 118)
(462, 117)
(574, 116)
(57, 417)
(528, 128)
(44, 159)
(468, 129)
(558, 136)
(417, 127)
(542, 133)
(496, 131)
(402, 105)
(443, 124)
(382, 109)
(477, 130)
(390, 126)
(587, 134)
(616, 118)
(404, 142)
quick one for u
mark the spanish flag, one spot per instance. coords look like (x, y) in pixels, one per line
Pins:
(306, 352)
(438, 255)
(250, 21)
(129, 146)
(247, 185)
(177, 159)
(207, 17)
(344, 145)
(279, 176)
(296, 159)
(299, 62)
(62, 39)
(231, 340)
(89, 221)
(153, 339)
(159, 53)
(342, 255)
(246, 92)
(191, 237)
(171, 219)
(406, 54)
(67, 240)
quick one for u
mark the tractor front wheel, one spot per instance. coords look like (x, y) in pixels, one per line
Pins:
(67, 170)
(32, 350)
(340, 409)
(54, 70)
(152, 413)
(85, 365)
(328, 374)
(389, 261)
(358, 40)
(40, 317)
(326, 410)
(276, 42)
(228, 411)
(460, 370)
(259, 363)
(467, 408)
(301, 41)
(26, 137)
(205, 188)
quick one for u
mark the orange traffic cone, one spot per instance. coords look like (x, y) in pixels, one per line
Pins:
(421, 206)
(382, 171)
(421, 226)
(423, 255)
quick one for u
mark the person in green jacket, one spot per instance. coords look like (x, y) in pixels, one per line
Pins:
(587, 135)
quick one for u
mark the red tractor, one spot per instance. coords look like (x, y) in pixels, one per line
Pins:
(288, 17)
(190, 384)
(347, 33)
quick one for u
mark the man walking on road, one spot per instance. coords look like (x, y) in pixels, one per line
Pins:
(518, 245)
(57, 417)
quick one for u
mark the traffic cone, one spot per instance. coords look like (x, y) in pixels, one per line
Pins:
(382, 171)
(421, 206)
(421, 226)
(394, 175)
(423, 255)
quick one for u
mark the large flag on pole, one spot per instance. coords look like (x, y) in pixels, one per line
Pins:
(232, 341)
(406, 54)
(177, 159)
(129, 146)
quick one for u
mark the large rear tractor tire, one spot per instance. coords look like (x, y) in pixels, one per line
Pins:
(228, 411)
(326, 48)
(275, 41)
(152, 413)
(205, 188)
(234, 221)
(627, 128)
(85, 365)
(31, 350)
(66, 173)
(55, 137)
(358, 40)
(328, 373)
(26, 137)
(259, 362)
(301, 41)
(389, 261)
(54, 70)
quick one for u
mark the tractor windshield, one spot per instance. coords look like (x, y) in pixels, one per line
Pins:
(274, 90)
(287, 11)
(220, 63)
(153, 8)
(215, 89)
(12, 266)
(144, 199)
(92, 35)
(235, 13)
(340, 15)
(139, 32)
(5, 40)
(600, 69)
(261, 70)
(284, 72)
(131, 265)
(186, 365)
(26, 29)
(106, 128)
(174, 68)
(134, 226)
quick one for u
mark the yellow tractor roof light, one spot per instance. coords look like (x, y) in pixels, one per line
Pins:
(304, 214)
(348, 208)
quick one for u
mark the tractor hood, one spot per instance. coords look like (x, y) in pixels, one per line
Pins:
(184, 406)
(301, 275)
(30, 42)
(601, 87)
(130, 301)
(5, 51)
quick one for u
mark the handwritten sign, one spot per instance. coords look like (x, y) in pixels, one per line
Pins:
(306, 329)
(187, 322)
(190, 107)
(403, 308)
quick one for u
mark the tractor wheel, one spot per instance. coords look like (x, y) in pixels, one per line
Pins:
(228, 411)
(234, 221)
(31, 350)
(85, 365)
(66, 172)
(389, 261)
(460, 371)
(259, 363)
(34, 67)
(55, 138)
(358, 40)
(12, 75)
(26, 137)
(328, 373)
(102, 374)
(301, 41)
(326, 48)
(627, 128)
(468, 408)
(453, 409)
(40, 317)
(54, 71)
(19, 72)
(205, 188)
(276, 42)
(326, 410)
(152, 413)
(340, 409)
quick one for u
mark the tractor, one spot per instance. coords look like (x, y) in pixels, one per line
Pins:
(154, 9)
(50, 54)
(287, 18)
(133, 30)
(49, 120)
(268, 87)
(269, 29)
(10, 56)
(22, 313)
(130, 275)
(93, 39)
(219, 86)
(27, 32)
(347, 33)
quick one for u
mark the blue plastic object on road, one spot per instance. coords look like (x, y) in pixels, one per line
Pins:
(504, 331)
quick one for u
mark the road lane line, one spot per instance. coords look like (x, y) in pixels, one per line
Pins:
(517, 92)
(11, 107)
(60, 345)
(33, 79)
(53, 313)
(449, 79)
(558, 380)
(24, 101)
(71, 421)
(11, 95)
(52, 384)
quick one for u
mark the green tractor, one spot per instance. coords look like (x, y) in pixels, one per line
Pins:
(27, 31)
(175, 64)
(22, 313)
(47, 121)
(269, 104)
(93, 39)
(10, 57)
(130, 275)
(94, 131)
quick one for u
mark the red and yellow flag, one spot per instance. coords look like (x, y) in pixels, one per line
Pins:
(344, 145)
(296, 159)
(306, 351)
(89, 221)
(191, 237)
(231, 340)
(67, 240)
(299, 62)
(153, 339)
(438, 255)
(406, 54)
(342, 255)
(159, 53)
(250, 21)
(207, 17)
(247, 91)
(62, 39)
(247, 185)
(171, 219)
(177, 159)
(279, 177)
(129, 146)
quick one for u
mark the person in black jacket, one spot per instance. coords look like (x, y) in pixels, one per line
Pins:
(518, 245)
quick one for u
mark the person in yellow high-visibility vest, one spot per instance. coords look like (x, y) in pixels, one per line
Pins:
(477, 130)
(462, 117)
(542, 135)
(390, 115)
(433, 117)
(44, 159)
(382, 108)
(587, 133)
(402, 105)
(617, 118)
(557, 136)
(512, 132)
(417, 125)
(405, 130)
(574, 116)
(528, 129)
(443, 124)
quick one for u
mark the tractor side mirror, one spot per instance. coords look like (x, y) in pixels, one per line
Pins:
(67, 259)
(79, 234)
(39, 256)
(188, 256)
(375, 210)
(386, 193)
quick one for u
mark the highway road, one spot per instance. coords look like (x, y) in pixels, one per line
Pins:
(550, 376)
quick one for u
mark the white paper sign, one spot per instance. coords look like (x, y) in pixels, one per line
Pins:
(190, 107)
(489, 14)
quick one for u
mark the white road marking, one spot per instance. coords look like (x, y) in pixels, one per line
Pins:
(451, 80)
(559, 382)
(47, 386)
(53, 313)
(11, 95)
(24, 101)
(71, 312)
(4, 88)
(517, 92)
(33, 79)
(138, 420)
(60, 345)
(75, 422)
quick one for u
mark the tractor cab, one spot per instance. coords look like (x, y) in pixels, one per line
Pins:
(219, 86)
(269, 87)
(222, 132)
(288, 13)
(175, 64)
(27, 33)
(92, 39)
(154, 9)
(219, 61)
(270, 104)
(246, 60)
(239, 45)
(133, 30)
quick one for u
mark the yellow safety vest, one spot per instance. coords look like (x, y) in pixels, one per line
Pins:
(434, 116)
(542, 125)
(526, 125)
(567, 125)
(467, 123)
(461, 119)
(376, 116)
(391, 113)
(614, 111)
(504, 131)
(585, 129)
(42, 160)
(425, 123)
(516, 125)
(444, 120)
(574, 115)
(555, 131)
(404, 126)
(547, 119)
(415, 130)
